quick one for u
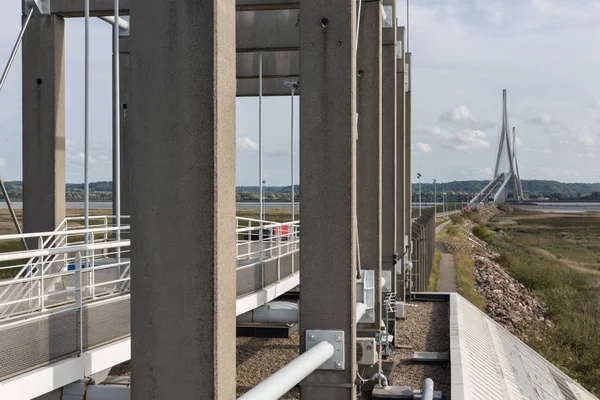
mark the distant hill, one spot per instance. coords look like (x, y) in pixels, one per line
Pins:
(534, 189)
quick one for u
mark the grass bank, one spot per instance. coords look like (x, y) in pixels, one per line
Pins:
(434, 278)
(558, 256)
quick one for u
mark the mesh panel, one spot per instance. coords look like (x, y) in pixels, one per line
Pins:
(107, 321)
(36, 343)
(248, 280)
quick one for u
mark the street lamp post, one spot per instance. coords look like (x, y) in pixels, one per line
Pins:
(419, 178)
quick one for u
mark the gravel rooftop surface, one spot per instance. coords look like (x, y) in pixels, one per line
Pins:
(423, 317)
(259, 358)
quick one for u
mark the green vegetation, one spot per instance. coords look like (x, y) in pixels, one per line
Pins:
(434, 278)
(483, 233)
(465, 276)
(559, 258)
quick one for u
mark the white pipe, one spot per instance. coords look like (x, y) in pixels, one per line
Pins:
(19, 255)
(427, 389)
(123, 24)
(273, 312)
(289, 376)
(384, 380)
(361, 309)
(86, 127)
(292, 156)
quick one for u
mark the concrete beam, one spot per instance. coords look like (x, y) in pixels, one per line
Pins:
(43, 67)
(74, 8)
(182, 126)
(328, 176)
(276, 64)
(271, 30)
(389, 158)
(271, 87)
(368, 159)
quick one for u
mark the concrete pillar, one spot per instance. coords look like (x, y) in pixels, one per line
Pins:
(401, 178)
(368, 155)
(328, 179)
(182, 129)
(124, 126)
(388, 147)
(43, 56)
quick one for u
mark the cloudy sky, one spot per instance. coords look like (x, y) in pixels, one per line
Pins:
(465, 52)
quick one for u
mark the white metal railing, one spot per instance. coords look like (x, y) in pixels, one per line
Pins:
(47, 275)
(48, 279)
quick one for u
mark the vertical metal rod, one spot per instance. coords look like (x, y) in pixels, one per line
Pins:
(79, 297)
(407, 25)
(41, 291)
(434, 200)
(260, 163)
(12, 212)
(13, 54)
(117, 129)
(86, 204)
(292, 158)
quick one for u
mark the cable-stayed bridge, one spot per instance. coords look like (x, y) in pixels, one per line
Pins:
(506, 172)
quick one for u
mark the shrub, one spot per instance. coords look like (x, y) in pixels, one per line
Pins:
(483, 233)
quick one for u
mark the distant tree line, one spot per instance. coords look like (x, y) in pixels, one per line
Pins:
(533, 189)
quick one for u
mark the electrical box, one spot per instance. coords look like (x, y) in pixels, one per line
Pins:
(400, 309)
(366, 351)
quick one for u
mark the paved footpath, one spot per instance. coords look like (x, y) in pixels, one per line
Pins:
(447, 282)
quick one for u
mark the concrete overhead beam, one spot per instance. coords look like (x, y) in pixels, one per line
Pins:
(276, 64)
(271, 87)
(74, 8)
(269, 30)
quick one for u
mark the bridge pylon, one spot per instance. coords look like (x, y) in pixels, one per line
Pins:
(508, 143)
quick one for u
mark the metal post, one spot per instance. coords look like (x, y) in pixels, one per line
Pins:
(86, 200)
(116, 129)
(292, 156)
(434, 200)
(79, 297)
(12, 212)
(260, 163)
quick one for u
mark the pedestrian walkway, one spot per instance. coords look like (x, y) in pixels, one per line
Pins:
(447, 281)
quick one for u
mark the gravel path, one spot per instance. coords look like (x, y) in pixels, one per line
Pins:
(422, 317)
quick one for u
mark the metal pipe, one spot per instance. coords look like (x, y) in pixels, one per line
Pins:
(86, 200)
(287, 377)
(292, 155)
(361, 309)
(123, 24)
(260, 163)
(117, 128)
(273, 312)
(427, 389)
(12, 213)
(384, 380)
(13, 54)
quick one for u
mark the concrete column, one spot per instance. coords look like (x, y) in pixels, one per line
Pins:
(124, 126)
(43, 56)
(182, 129)
(401, 178)
(328, 179)
(388, 148)
(368, 158)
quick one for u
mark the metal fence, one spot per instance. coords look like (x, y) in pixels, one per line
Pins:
(423, 250)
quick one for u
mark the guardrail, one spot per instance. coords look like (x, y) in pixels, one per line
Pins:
(423, 249)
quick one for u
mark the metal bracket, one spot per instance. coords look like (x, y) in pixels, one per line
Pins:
(42, 5)
(336, 339)
(365, 293)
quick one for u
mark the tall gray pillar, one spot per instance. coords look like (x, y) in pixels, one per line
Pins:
(182, 127)
(368, 155)
(401, 177)
(328, 178)
(407, 145)
(388, 145)
(124, 129)
(43, 58)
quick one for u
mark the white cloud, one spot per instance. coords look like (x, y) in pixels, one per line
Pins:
(586, 155)
(246, 144)
(546, 151)
(518, 141)
(585, 136)
(2, 163)
(467, 139)
(543, 119)
(458, 114)
(485, 171)
(419, 148)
